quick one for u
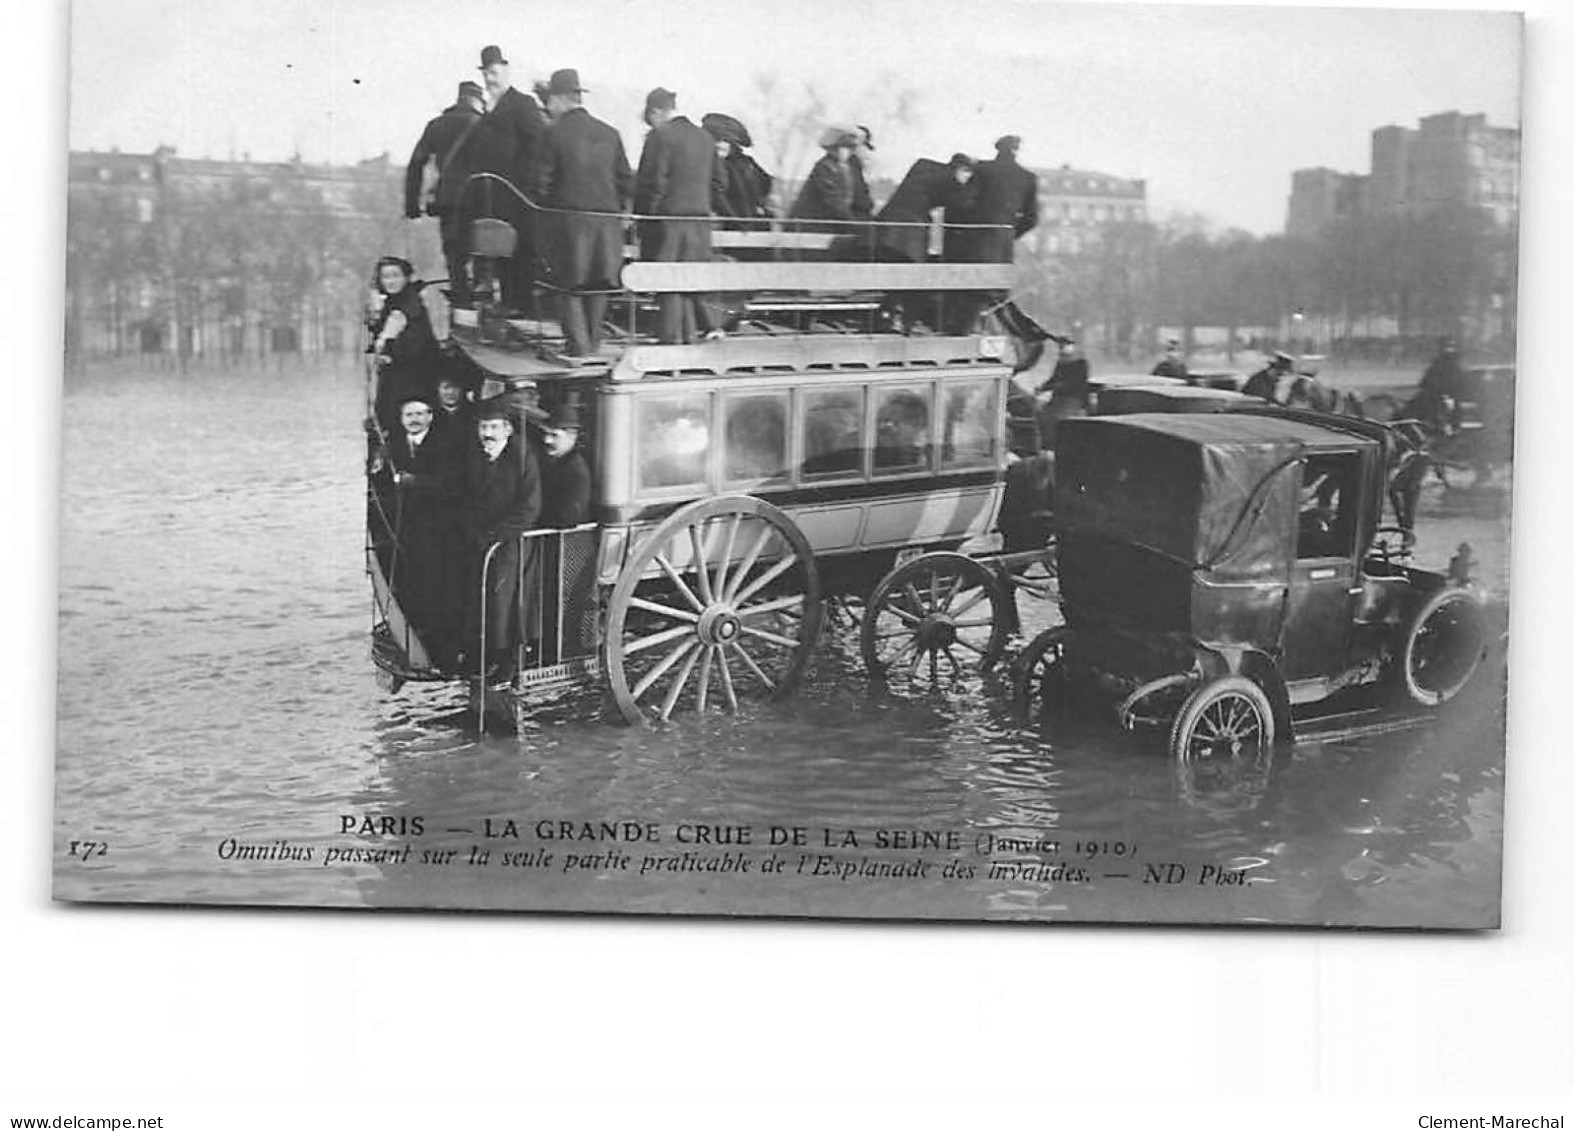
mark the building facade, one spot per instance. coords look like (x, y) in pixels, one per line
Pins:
(1076, 205)
(1447, 159)
(1320, 196)
(236, 258)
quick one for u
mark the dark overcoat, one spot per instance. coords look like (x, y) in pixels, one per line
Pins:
(514, 128)
(502, 501)
(583, 168)
(1005, 194)
(928, 185)
(451, 140)
(565, 490)
(745, 189)
(427, 576)
(826, 195)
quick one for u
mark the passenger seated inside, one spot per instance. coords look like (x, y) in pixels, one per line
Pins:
(1325, 525)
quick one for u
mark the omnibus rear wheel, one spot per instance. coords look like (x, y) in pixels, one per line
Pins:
(938, 616)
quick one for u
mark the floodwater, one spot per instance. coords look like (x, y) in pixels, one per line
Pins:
(219, 720)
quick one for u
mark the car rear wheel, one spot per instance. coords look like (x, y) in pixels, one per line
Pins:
(1443, 647)
(1226, 719)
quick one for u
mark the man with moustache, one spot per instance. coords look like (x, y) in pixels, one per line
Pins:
(424, 465)
(514, 127)
(584, 174)
(678, 175)
(502, 500)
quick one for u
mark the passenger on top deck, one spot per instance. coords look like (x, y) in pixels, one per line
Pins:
(502, 500)
(745, 190)
(449, 141)
(927, 186)
(404, 352)
(514, 128)
(827, 194)
(424, 463)
(859, 164)
(1005, 197)
(678, 175)
(585, 175)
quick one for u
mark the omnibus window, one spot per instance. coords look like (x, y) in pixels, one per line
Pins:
(1326, 524)
(756, 432)
(673, 434)
(901, 430)
(968, 439)
(833, 424)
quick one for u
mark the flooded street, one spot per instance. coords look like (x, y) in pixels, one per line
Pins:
(216, 693)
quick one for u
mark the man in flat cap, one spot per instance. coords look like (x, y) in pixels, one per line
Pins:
(450, 142)
(514, 127)
(678, 175)
(584, 173)
(502, 500)
(1007, 194)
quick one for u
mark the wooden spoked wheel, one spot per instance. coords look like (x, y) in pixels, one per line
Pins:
(939, 616)
(721, 601)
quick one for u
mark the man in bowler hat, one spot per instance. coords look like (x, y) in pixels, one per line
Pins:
(678, 175)
(450, 142)
(583, 174)
(502, 500)
(514, 126)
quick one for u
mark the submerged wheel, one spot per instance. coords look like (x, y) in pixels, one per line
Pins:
(734, 609)
(1227, 719)
(940, 615)
(1039, 671)
(1443, 647)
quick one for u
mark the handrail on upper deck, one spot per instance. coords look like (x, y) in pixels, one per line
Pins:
(787, 234)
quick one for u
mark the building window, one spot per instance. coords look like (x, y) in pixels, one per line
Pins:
(144, 210)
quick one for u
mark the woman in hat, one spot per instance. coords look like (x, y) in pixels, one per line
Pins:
(747, 188)
(404, 352)
(828, 193)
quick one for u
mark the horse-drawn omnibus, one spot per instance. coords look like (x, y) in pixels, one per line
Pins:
(740, 484)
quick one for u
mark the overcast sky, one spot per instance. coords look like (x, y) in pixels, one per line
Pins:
(1213, 106)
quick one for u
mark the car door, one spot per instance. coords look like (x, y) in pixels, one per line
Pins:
(1323, 583)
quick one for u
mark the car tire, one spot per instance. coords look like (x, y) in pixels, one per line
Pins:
(1443, 646)
(1228, 718)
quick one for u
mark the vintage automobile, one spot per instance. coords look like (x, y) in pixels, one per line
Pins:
(1220, 571)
